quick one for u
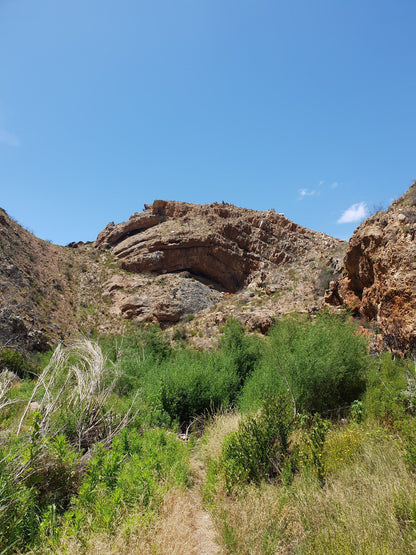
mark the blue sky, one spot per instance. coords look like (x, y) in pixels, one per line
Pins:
(305, 106)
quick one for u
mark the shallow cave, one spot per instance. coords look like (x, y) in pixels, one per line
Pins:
(202, 278)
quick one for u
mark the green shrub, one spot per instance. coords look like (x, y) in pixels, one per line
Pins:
(240, 352)
(385, 399)
(55, 474)
(258, 449)
(194, 383)
(322, 363)
(16, 362)
(38, 477)
(18, 511)
(311, 452)
(137, 354)
(136, 472)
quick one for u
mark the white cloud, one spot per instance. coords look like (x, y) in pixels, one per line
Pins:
(8, 139)
(334, 185)
(305, 193)
(354, 213)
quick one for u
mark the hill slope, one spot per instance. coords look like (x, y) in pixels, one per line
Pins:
(173, 263)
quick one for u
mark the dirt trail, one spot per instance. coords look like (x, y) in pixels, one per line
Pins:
(185, 527)
(203, 523)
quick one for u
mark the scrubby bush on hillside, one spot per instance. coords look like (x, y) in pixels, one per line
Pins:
(321, 362)
(16, 362)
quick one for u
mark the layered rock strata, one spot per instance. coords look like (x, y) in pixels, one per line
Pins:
(379, 281)
(211, 251)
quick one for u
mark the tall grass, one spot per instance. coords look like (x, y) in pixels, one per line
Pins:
(73, 393)
(367, 504)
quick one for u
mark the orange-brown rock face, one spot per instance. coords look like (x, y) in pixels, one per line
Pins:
(380, 266)
(172, 263)
(223, 243)
(223, 249)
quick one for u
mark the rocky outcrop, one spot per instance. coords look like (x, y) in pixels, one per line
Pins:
(175, 263)
(205, 253)
(379, 281)
(219, 242)
(166, 299)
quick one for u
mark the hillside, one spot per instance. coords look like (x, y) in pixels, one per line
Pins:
(301, 440)
(174, 263)
(190, 267)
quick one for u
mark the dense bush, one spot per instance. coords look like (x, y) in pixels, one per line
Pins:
(257, 450)
(136, 471)
(183, 382)
(385, 399)
(136, 354)
(192, 383)
(18, 514)
(38, 477)
(322, 362)
(240, 353)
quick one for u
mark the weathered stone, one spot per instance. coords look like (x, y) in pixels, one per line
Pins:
(225, 249)
(380, 273)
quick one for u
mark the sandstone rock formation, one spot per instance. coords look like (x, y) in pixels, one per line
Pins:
(380, 273)
(176, 264)
(253, 265)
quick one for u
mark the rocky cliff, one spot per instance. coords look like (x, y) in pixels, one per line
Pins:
(177, 264)
(379, 281)
(33, 291)
(184, 261)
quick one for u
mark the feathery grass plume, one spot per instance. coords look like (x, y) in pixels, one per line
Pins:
(7, 381)
(74, 389)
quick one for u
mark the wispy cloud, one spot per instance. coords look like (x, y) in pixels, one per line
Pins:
(8, 139)
(354, 213)
(322, 188)
(306, 193)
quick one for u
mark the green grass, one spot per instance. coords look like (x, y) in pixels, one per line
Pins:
(274, 481)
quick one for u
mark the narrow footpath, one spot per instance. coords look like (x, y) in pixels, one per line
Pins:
(186, 528)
